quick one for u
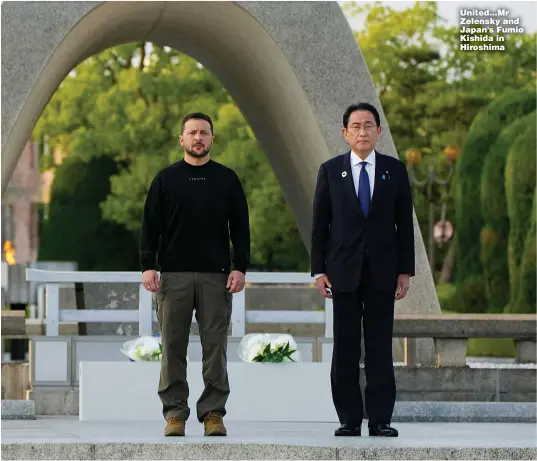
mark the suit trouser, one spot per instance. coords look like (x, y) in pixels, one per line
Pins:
(376, 309)
(181, 294)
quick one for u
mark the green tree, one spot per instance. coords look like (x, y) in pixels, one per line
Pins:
(495, 232)
(527, 296)
(482, 135)
(486, 76)
(520, 189)
(75, 229)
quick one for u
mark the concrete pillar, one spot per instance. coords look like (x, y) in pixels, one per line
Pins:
(450, 352)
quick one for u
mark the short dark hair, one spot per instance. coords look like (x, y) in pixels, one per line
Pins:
(197, 116)
(360, 106)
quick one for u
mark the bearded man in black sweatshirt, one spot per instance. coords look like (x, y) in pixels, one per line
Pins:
(192, 210)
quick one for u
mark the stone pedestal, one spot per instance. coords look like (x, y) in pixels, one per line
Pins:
(450, 352)
(15, 380)
(410, 352)
(18, 409)
(526, 351)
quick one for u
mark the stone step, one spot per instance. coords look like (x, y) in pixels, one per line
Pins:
(469, 412)
(67, 438)
(18, 409)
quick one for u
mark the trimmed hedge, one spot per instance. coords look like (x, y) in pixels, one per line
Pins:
(526, 300)
(520, 191)
(482, 135)
(494, 234)
(446, 296)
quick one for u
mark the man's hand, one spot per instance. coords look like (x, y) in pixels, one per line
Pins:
(402, 286)
(150, 280)
(235, 282)
(323, 283)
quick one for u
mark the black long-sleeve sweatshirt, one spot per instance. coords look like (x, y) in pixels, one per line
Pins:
(195, 210)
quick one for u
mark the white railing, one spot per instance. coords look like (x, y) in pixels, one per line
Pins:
(145, 315)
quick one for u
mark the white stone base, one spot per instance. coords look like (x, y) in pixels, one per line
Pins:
(127, 391)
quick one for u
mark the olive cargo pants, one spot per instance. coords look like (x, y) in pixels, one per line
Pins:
(180, 294)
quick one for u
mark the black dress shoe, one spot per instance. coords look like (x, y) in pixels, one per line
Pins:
(382, 430)
(348, 430)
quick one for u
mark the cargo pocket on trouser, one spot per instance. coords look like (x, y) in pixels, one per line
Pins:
(229, 300)
(159, 298)
(213, 313)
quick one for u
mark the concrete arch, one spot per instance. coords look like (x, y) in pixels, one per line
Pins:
(292, 68)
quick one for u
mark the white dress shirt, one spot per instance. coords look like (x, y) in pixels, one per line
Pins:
(369, 168)
(356, 169)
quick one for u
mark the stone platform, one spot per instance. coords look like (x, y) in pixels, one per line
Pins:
(68, 438)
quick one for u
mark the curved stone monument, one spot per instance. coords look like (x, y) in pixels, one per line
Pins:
(292, 68)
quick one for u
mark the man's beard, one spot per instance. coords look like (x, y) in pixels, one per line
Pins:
(201, 154)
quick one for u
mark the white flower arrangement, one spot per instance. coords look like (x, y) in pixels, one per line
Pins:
(143, 349)
(271, 348)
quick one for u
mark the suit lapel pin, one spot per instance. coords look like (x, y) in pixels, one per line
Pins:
(343, 174)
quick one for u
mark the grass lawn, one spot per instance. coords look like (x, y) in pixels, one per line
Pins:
(489, 347)
(477, 347)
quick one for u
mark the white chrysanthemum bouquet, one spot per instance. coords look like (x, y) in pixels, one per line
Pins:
(271, 348)
(143, 349)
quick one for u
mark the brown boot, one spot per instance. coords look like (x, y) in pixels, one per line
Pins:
(214, 425)
(175, 428)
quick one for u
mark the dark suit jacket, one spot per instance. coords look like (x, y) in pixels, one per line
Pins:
(341, 235)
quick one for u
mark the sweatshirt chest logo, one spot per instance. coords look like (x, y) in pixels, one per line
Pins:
(199, 178)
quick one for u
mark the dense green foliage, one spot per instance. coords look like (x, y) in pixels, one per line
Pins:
(75, 229)
(482, 135)
(495, 232)
(526, 296)
(520, 191)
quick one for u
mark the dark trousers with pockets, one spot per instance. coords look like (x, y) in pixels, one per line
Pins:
(180, 295)
(376, 309)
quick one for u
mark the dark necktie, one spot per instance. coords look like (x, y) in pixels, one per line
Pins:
(364, 191)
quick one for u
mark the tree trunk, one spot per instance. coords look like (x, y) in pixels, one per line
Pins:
(142, 55)
(449, 262)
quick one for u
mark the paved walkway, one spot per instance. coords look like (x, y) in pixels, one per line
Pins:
(68, 438)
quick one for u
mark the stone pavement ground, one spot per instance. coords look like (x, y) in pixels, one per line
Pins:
(68, 438)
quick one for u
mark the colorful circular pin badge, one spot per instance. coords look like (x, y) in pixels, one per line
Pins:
(343, 174)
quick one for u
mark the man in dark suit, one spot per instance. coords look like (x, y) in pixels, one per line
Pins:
(362, 255)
